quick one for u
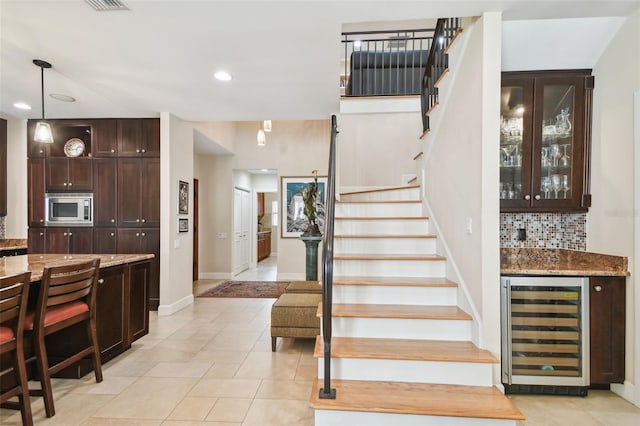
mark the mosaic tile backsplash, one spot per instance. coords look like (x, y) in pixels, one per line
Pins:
(544, 230)
(2, 227)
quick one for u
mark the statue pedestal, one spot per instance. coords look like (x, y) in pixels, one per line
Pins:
(311, 245)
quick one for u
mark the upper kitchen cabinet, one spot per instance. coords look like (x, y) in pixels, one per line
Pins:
(138, 137)
(69, 174)
(104, 138)
(138, 192)
(545, 140)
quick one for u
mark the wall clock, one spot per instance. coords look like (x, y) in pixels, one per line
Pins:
(74, 147)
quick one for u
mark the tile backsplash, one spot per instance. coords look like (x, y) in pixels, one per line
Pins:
(544, 230)
(2, 227)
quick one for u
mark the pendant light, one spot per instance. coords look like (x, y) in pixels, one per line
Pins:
(266, 125)
(43, 133)
(262, 138)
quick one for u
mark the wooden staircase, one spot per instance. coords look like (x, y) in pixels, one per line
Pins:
(401, 347)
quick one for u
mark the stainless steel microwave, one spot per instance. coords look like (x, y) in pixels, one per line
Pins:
(69, 209)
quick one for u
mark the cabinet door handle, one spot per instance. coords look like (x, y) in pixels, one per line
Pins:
(527, 197)
(113, 234)
(70, 233)
(41, 151)
(113, 220)
(113, 150)
(101, 281)
(537, 197)
(64, 234)
(143, 234)
(42, 234)
(64, 184)
(137, 234)
(144, 220)
(41, 220)
(70, 183)
(137, 220)
(138, 151)
(597, 288)
(143, 150)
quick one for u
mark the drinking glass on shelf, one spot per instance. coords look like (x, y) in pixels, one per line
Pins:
(565, 160)
(546, 159)
(565, 185)
(555, 153)
(545, 186)
(508, 150)
(556, 184)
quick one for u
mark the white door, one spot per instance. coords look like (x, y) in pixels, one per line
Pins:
(241, 227)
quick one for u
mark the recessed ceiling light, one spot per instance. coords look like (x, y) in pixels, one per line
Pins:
(22, 105)
(222, 76)
(63, 98)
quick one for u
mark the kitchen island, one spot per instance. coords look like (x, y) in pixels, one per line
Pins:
(122, 301)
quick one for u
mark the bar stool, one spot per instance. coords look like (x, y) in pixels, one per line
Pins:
(14, 292)
(67, 296)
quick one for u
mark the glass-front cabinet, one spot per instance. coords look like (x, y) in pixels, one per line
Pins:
(545, 141)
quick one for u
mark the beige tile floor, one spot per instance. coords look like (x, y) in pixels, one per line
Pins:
(211, 364)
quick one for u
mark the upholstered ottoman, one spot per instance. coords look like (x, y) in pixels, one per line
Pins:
(304, 287)
(294, 315)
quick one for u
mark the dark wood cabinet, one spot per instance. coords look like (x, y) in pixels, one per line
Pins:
(3, 167)
(545, 141)
(607, 339)
(69, 240)
(36, 191)
(139, 300)
(104, 138)
(37, 240)
(151, 137)
(112, 309)
(105, 191)
(105, 240)
(69, 174)
(139, 201)
(144, 240)
(264, 245)
(260, 204)
(139, 137)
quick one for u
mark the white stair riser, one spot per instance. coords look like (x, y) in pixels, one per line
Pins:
(342, 418)
(401, 328)
(390, 195)
(378, 209)
(453, 373)
(385, 245)
(389, 268)
(395, 295)
(381, 226)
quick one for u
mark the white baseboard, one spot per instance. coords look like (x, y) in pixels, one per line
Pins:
(627, 391)
(166, 310)
(215, 275)
(291, 277)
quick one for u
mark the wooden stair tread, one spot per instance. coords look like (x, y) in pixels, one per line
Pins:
(394, 281)
(388, 188)
(379, 202)
(376, 256)
(418, 155)
(404, 349)
(381, 218)
(355, 310)
(416, 398)
(385, 236)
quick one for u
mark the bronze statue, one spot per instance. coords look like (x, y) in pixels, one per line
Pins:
(309, 196)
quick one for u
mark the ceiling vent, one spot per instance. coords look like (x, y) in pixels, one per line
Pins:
(105, 5)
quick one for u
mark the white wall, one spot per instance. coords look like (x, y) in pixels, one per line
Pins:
(383, 146)
(176, 249)
(610, 220)
(16, 220)
(460, 172)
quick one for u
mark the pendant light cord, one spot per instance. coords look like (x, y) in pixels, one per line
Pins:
(42, 89)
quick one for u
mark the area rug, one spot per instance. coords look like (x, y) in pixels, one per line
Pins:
(246, 289)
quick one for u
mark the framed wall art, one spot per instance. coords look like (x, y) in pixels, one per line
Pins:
(294, 222)
(183, 197)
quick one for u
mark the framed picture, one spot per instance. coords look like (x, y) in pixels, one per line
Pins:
(183, 197)
(183, 224)
(294, 221)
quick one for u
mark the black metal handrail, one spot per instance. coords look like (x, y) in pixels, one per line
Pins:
(327, 263)
(437, 63)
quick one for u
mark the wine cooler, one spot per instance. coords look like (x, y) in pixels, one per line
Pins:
(545, 334)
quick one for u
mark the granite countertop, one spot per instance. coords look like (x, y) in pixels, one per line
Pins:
(12, 243)
(36, 262)
(534, 261)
